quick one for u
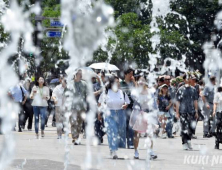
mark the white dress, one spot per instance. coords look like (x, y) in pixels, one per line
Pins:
(141, 117)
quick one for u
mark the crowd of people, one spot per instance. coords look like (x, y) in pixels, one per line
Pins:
(126, 108)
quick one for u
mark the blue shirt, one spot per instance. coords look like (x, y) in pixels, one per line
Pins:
(16, 93)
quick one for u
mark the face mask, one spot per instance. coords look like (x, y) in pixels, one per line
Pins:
(141, 83)
(115, 87)
(41, 81)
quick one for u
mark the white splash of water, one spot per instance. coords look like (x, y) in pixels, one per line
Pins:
(161, 8)
(8, 110)
(85, 25)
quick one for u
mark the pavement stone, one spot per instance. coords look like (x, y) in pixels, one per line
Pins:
(49, 153)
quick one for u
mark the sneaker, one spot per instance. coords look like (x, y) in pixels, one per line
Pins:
(153, 155)
(53, 124)
(210, 135)
(37, 135)
(194, 137)
(185, 147)
(136, 155)
(163, 136)
(42, 133)
(171, 137)
(189, 145)
(214, 134)
(131, 147)
(205, 136)
(84, 136)
(114, 155)
(217, 146)
(77, 142)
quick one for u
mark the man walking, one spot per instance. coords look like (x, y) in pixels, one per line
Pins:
(79, 106)
(208, 98)
(19, 95)
(187, 111)
(171, 90)
(126, 85)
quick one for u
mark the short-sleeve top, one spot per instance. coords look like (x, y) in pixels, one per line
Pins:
(218, 100)
(114, 100)
(186, 96)
(164, 101)
(209, 94)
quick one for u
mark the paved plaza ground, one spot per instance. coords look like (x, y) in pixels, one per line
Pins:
(49, 153)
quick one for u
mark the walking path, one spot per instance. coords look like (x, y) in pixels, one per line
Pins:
(49, 153)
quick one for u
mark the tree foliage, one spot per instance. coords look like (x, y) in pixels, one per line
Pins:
(133, 33)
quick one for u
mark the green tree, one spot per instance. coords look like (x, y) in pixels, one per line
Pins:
(200, 14)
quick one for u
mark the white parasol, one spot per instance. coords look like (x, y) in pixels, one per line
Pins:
(104, 66)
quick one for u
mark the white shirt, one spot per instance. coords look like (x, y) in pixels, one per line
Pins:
(39, 96)
(218, 100)
(114, 100)
(58, 94)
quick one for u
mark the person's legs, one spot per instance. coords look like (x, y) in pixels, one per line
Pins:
(47, 117)
(169, 127)
(76, 124)
(43, 117)
(21, 118)
(162, 120)
(30, 119)
(29, 114)
(136, 140)
(192, 126)
(129, 130)
(136, 143)
(121, 128)
(218, 134)
(53, 117)
(59, 120)
(112, 132)
(206, 125)
(26, 114)
(98, 130)
(164, 124)
(36, 113)
(184, 128)
(213, 123)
